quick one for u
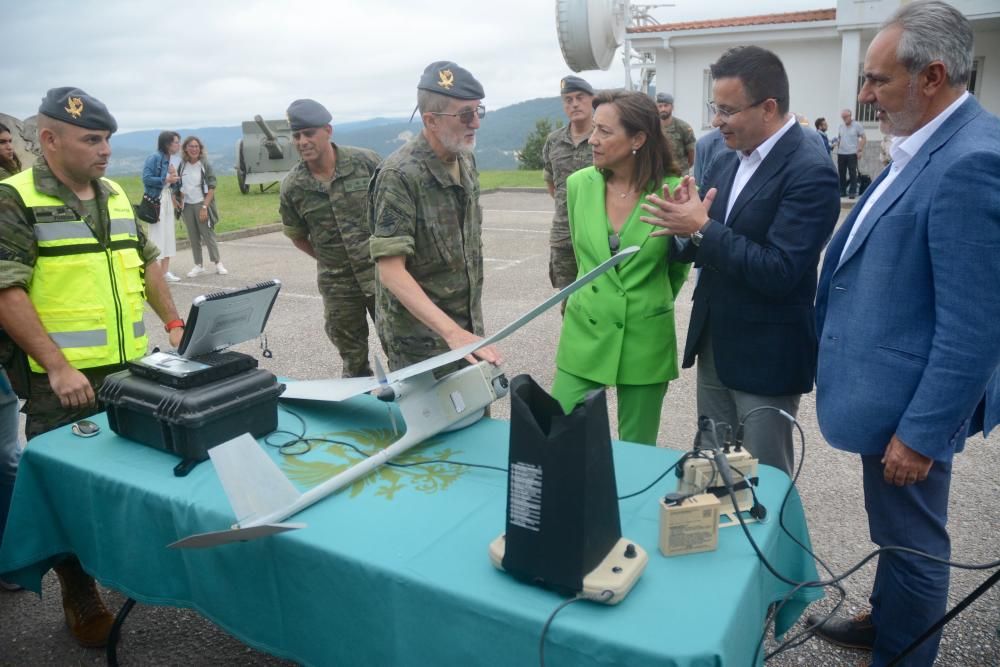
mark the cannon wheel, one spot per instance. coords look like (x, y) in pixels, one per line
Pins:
(241, 169)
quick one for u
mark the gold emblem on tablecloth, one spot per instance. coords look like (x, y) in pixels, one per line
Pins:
(387, 480)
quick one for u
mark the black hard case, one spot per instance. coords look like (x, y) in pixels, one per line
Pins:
(187, 422)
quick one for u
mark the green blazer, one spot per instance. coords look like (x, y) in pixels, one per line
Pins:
(619, 329)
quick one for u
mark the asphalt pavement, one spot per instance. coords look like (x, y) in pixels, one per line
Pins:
(32, 630)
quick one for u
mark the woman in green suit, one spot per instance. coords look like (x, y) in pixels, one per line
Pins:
(619, 329)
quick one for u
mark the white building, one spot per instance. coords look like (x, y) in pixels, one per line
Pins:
(822, 50)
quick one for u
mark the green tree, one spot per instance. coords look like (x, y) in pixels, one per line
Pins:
(530, 157)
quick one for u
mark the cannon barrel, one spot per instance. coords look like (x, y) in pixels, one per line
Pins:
(271, 145)
(264, 128)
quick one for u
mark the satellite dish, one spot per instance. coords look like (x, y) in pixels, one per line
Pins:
(590, 31)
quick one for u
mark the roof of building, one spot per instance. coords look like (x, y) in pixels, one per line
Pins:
(763, 19)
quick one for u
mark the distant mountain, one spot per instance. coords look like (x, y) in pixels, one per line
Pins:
(503, 133)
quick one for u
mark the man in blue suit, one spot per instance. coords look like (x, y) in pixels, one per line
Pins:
(908, 311)
(770, 206)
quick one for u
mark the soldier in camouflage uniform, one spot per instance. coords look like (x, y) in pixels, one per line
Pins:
(426, 226)
(680, 135)
(323, 202)
(58, 223)
(566, 150)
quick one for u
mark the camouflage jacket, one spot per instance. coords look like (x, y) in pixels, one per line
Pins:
(417, 210)
(560, 158)
(332, 216)
(680, 137)
(18, 249)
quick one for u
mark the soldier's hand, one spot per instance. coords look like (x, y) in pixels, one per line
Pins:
(72, 387)
(490, 354)
(461, 338)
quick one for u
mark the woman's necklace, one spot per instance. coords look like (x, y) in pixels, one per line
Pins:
(622, 195)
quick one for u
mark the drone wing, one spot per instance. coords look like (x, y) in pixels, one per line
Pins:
(339, 390)
(462, 352)
(328, 390)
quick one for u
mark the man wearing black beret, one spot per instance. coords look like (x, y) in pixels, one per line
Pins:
(566, 150)
(69, 236)
(323, 202)
(427, 226)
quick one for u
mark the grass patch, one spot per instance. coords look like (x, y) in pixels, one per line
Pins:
(514, 178)
(239, 211)
(236, 211)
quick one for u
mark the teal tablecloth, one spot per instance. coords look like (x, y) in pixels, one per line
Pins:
(394, 570)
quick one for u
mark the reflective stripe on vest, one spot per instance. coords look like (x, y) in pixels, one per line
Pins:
(90, 299)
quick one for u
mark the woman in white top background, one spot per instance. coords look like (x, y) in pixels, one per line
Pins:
(199, 211)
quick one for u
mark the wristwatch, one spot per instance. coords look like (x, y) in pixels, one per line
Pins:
(697, 236)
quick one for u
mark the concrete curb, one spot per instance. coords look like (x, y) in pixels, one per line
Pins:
(269, 228)
(494, 190)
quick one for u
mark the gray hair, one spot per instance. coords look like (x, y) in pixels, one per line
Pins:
(430, 102)
(934, 30)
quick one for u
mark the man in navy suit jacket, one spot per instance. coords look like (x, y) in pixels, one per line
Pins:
(908, 311)
(770, 206)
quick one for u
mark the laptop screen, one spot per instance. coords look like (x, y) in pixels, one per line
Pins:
(223, 319)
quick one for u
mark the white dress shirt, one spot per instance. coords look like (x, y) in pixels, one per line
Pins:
(750, 161)
(902, 151)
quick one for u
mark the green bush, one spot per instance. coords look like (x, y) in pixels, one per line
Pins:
(530, 156)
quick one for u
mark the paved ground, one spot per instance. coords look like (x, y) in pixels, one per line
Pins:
(515, 237)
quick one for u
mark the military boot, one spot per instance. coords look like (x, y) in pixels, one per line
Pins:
(88, 619)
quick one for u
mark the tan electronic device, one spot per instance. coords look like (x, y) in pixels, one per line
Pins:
(690, 526)
(616, 574)
(700, 474)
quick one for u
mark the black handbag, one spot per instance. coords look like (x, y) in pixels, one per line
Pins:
(148, 209)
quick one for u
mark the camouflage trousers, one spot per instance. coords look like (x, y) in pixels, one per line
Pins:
(43, 410)
(562, 266)
(345, 311)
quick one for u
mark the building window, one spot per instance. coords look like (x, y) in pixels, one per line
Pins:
(976, 76)
(865, 113)
(706, 116)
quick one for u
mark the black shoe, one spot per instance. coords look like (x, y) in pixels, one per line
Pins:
(9, 586)
(857, 632)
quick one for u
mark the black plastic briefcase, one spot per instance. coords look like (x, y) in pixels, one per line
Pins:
(187, 422)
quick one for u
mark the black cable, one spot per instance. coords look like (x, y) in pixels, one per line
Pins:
(723, 468)
(944, 620)
(457, 463)
(605, 596)
(651, 484)
(804, 635)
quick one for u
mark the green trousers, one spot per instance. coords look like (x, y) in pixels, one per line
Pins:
(639, 405)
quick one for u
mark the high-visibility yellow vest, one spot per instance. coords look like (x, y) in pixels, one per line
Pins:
(89, 297)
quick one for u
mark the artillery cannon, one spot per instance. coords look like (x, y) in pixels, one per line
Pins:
(265, 153)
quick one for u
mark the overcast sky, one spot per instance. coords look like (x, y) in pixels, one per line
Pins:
(218, 62)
